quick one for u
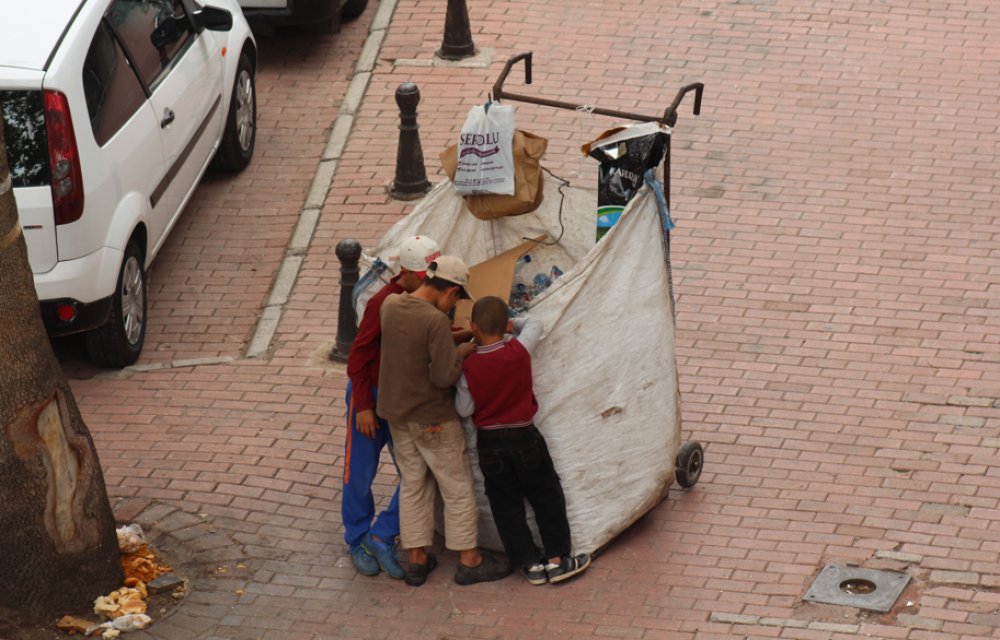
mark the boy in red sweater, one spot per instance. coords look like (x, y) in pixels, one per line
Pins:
(495, 389)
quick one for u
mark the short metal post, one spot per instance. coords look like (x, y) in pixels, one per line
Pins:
(411, 177)
(349, 253)
(457, 43)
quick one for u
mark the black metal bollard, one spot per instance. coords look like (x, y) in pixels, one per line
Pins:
(411, 177)
(348, 252)
(457, 43)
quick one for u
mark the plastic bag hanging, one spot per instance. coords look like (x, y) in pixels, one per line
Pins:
(485, 151)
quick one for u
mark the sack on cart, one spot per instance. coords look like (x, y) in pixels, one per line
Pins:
(604, 372)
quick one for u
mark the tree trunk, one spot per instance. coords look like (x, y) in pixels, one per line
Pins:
(57, 531)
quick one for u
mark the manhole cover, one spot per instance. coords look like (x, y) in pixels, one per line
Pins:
(870, 589)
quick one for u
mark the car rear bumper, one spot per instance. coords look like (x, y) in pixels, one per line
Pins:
(89, 315)
(87, 284)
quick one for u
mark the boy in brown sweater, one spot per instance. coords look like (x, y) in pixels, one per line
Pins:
(419, 366)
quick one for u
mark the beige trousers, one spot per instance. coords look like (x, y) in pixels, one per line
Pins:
(434, 457)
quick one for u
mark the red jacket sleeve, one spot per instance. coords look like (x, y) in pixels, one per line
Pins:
(363, 359)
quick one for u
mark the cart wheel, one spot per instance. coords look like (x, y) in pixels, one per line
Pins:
(690, 460)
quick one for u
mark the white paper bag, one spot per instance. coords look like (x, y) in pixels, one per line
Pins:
(485, 151)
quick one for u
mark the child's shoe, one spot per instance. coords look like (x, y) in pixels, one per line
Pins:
(567, 568)
(491, 568)
(363, 562)
(535, 574)
(416, 574)
(384, 554)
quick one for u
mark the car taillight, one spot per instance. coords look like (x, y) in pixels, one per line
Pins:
(66, 312)
(67, 180)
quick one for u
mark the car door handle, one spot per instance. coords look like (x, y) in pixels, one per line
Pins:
(168, 117)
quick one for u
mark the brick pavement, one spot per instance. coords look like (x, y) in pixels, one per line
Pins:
(838, 275)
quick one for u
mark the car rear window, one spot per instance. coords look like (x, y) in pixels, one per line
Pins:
(24, 130)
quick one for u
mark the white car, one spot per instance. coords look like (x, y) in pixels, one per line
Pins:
(113, 110)
(322, 15)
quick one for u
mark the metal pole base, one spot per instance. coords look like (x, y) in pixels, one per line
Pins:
(408, 191)
(457, 43)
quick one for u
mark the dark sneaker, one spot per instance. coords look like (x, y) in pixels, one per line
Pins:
(486, 571)
(569, 567)
(385, 554)
(535, 574)
(363, 562)
(416, 574)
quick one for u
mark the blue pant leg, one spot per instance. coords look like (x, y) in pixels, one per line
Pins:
(361, 454)
(386, 526)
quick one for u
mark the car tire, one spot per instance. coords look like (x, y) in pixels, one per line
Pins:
(353, 8)
(118, 342)
(240, 135)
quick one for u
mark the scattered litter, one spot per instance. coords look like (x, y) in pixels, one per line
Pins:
(124, 624)
(142, 565)
(166, 582)
(130, 538)
(71, 624)
(125, 608)
(131, 622)
(121, 602)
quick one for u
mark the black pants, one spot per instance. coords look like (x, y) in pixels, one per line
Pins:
(516, 465)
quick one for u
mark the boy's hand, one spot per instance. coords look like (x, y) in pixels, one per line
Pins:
(465, 349)
(367, 424)
(460, 335)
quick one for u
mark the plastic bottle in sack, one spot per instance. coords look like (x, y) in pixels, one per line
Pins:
(520, 296)
(519, 266)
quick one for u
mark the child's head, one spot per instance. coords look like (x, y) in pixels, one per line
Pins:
(489, 317)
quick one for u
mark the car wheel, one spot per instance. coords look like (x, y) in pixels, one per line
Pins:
(119, 341)
(236, 148)
(353, 9)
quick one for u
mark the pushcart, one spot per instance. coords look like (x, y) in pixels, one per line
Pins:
(605, 373)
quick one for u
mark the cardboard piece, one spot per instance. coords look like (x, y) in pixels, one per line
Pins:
(492, 277)
(528, 150)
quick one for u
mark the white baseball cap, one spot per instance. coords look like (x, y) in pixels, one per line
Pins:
(452, 269)
(416, 252)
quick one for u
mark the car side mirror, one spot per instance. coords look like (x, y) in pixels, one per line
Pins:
(214, 19)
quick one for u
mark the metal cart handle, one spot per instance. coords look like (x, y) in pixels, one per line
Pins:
(669, 116)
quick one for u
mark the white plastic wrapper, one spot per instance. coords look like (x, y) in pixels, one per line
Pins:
(486, 151)
(604, 372)
(130, 538)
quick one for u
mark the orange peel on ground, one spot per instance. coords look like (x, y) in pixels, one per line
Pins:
(142, 565)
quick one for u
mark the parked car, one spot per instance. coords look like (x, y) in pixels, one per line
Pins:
(113, 110)
(322, 15)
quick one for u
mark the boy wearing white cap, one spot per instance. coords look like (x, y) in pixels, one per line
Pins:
(371, 540)
(420, 365)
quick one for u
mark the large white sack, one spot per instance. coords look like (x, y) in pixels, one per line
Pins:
(604, 372)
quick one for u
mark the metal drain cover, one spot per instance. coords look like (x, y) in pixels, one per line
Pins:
(870, 589)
